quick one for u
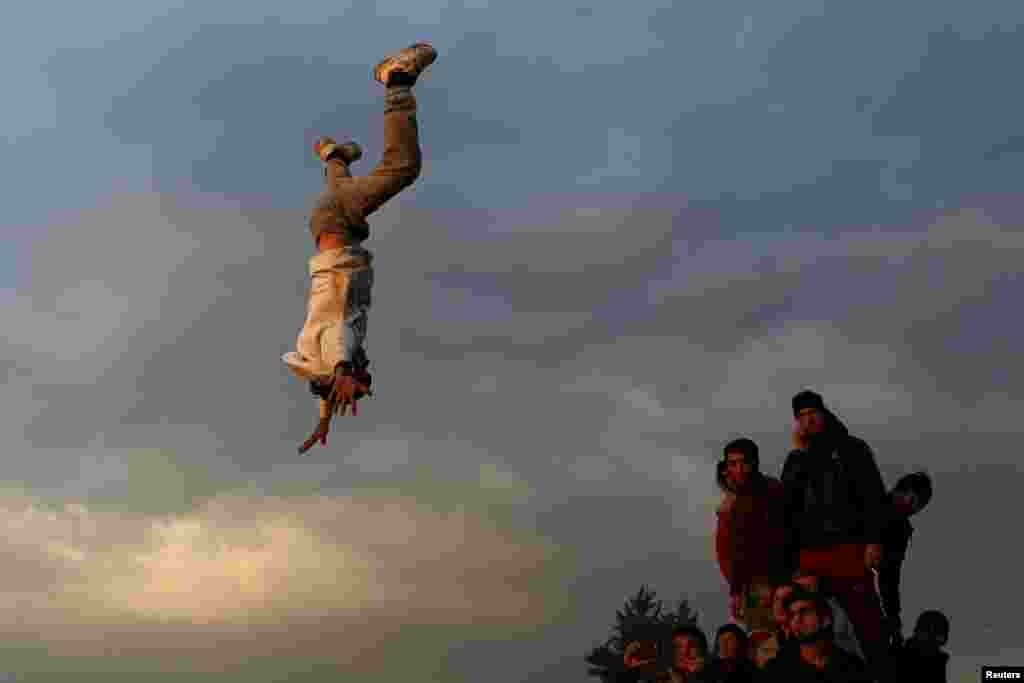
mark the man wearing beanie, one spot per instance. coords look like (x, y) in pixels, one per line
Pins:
(835, 514)
(330, 351)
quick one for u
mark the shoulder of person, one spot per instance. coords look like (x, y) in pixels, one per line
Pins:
(795, 458)
(857, 446)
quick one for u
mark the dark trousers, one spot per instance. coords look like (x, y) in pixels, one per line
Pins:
(398, 167)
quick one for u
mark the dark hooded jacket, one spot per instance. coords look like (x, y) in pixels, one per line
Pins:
(842, 667)
(834, 492)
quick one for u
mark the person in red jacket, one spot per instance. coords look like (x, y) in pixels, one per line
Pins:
(750, 523)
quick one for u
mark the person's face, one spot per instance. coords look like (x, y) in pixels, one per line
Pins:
(737, 469)
(810, 421)
(686, 650)
(728, 646)
(804, 619)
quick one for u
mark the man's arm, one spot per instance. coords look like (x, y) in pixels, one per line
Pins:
(723, 544)
(871, 488)
(792, 501)
(889, 582)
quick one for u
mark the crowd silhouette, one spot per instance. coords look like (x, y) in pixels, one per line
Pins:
(812, 563)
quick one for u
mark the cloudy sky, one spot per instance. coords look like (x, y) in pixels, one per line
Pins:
(641, 228)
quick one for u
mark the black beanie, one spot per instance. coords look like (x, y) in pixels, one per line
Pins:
(808, 399)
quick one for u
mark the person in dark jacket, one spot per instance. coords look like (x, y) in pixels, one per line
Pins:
(750, 526)
(835, 512)
(816, 658)
(921, 658)
(910, 495)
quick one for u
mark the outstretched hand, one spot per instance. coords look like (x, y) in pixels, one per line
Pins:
(347, 388)
(319, 434)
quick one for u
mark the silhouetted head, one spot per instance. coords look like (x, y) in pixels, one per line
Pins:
(912, 493)
(931, 630)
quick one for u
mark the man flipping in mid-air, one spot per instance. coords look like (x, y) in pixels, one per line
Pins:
(330, 351)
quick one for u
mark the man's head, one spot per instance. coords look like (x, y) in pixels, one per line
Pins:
(740, 460)
(932, 629)
(810, 617)
(810, 413)
(689, 644)
(912, 493)
(731, 642)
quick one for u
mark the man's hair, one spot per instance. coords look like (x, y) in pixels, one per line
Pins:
(740, 634)
(745, 446)
(933, 620)
(800, 594)
(690, 631)
(919, 483)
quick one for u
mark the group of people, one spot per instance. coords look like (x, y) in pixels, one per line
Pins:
(812, 560)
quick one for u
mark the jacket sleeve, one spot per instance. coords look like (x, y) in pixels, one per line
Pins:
(792, 500)
(874, 504)
(776, 529)
(723, 546)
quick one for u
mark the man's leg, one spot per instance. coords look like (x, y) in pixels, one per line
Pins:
(857, 596)
(401, 162)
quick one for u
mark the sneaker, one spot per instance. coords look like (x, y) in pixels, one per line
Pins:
(411, 61)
